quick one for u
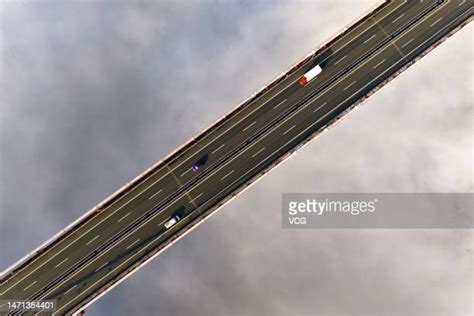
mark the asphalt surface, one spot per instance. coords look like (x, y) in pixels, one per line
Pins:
(86, 260)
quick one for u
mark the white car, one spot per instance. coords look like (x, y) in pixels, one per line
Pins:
(173, 220)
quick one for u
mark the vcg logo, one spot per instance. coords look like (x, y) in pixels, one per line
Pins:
(297, 220)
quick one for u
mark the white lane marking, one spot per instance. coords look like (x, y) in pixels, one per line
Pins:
(392, 42)
(404, 1)
(197, 197)
(350, 85)
(123, 217)
(286, 132)
(380, 63)
(248, 126)
(365, 28)
(161, 223)
(363, 31)
(183, 172)
(279, 104)
(179, 183)
(70, 289)
(61, 262)
(365, 42)
(152, 184)
(337, 62)
(463, 1)
(261, 149)
(324, 92)
(399, 17)
(90, 241)
(99, 268)
(217, 149)
(407, 43)
(436, 22)
(31, 284)
(227, 175)
(133, 243)
(421, 21)
(320, 107)
(155, 194)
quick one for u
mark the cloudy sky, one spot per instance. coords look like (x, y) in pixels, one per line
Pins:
(91, 94)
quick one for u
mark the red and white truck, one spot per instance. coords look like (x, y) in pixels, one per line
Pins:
(310, 75)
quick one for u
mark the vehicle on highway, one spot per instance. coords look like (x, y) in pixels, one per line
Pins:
(310, 75)
(173, 220)
(200, 163)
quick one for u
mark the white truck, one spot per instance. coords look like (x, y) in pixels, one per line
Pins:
(310, 75)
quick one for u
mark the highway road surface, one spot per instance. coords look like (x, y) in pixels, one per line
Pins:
(104, 249)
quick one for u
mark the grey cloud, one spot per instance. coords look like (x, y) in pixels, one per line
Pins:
(92, 93)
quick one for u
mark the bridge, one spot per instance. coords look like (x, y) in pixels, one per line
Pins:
(121, 234)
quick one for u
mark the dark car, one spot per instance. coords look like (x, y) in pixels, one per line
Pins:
(200, 163)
